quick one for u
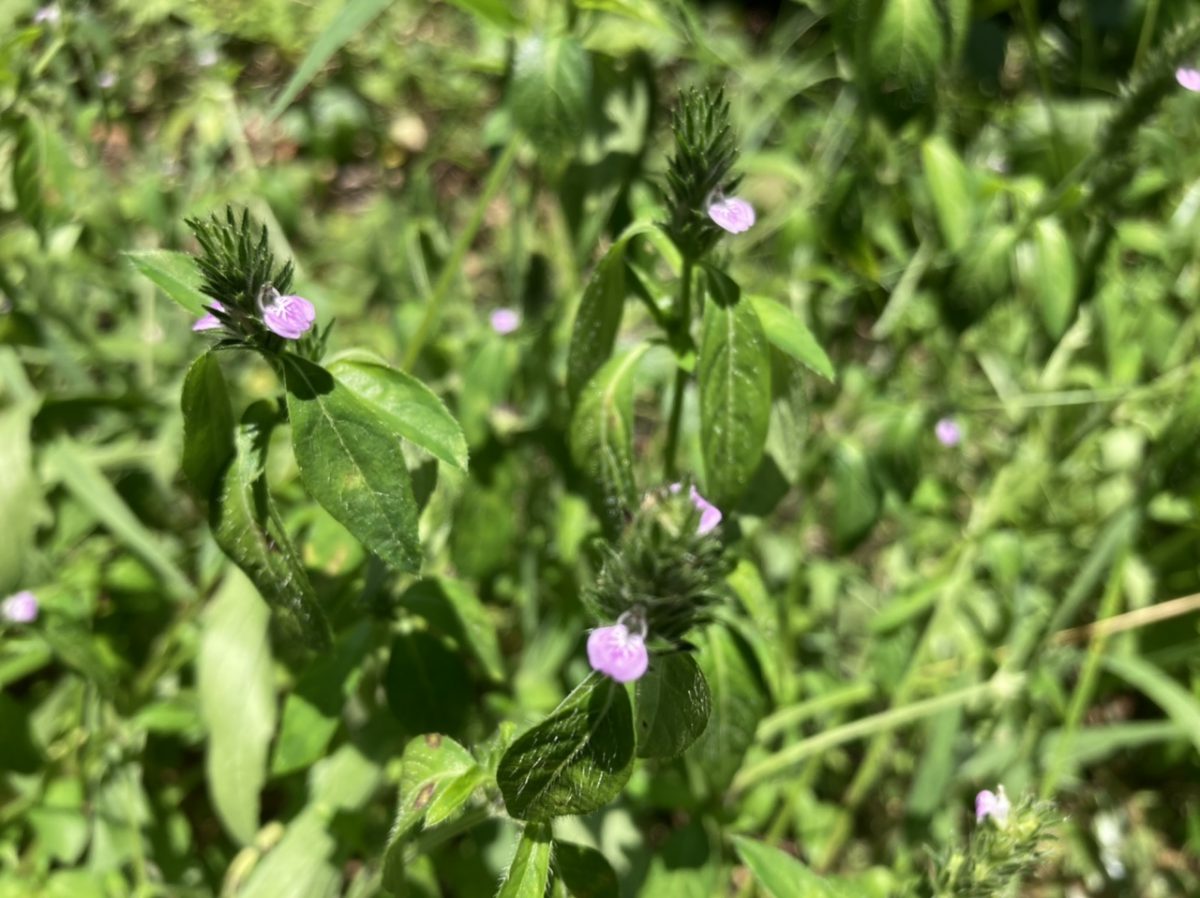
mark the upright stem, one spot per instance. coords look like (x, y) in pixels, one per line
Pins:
(680, 326)
(458, 252)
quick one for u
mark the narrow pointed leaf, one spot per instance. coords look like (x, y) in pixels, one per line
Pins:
(791, 335)
(175, 274)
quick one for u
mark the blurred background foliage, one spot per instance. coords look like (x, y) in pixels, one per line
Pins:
(975, 213)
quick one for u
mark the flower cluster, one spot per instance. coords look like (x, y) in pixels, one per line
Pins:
(658, 581)
(250, 299)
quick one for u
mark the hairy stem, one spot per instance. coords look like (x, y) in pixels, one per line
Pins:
(682, 325)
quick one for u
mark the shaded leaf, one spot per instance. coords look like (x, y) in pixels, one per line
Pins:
(208, 424)
(673, 705)
(427, 685)
(550, 90)
(452, 607)
(585, 872)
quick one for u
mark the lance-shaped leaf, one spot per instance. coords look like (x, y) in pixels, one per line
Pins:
(409, 407)
(208, 424)
(175, 274)
(791, 335)
(452, 607)
(601, 433)
(529, 873)
(550, 90)
(735, 392)
(247, 528)
(599, 317)
(783, 876)
(673, 705)
(1046, 268)
(350, 461)
(575, 761)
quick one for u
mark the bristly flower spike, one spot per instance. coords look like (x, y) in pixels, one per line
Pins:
(700, 172)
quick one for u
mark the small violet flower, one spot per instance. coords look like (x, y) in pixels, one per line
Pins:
(208, 321)
(948, 432)
(106, 80)
(992, 804)
(505, 321)
(48, 15)
(732, 214)
(619, 651)
(288, 316)
(1188, 78)
(710, 515)
(21, 608)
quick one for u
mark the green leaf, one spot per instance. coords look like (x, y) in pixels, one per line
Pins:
(429, 767)
(407, 405)
(601, 433)
(907, 46)
(313, 710)
(584, 872)
(299, 865)
(673, 704)
(208, 424)
(29, 172)
(735, 398)
(1179, 704)
(529, 873)
(739, 701)
(353, 17)
(176, 274)
(20, 499)
(351, 463)
(427, 685)
(599, 317)
(452, 607)
(550, 91)
(575, 761)
(856, 495)
(1046, 268)
(782, 876)
(497, 12)
(790, 335)
(70, 464)
(237, 702)
(952, 191)
(246, 527)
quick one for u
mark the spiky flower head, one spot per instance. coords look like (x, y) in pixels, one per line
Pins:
(700, 171)
(250, 304)
(665, 568)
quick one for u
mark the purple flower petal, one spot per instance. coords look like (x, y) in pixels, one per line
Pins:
(948, 432)
(710, 515)
(48, 14)
(1188, 78)
(505, 321)
(21, 608)
(992, 804)
(208, 321)
(289, 316)
(617, 653)
(733, 214)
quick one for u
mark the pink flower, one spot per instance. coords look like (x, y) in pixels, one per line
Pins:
(992, 804)
(505, 321)
(948, 432)
(208, 321)
(288, 316)
(49, 15)
(1188, 78)
(732, 214)
(617, 651)
(710, 515)
(21, 608)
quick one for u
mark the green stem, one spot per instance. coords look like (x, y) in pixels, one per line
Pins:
(680, 329)
(1000, 686)
(458, 252)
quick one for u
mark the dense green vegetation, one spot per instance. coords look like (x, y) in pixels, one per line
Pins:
(348, 607)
